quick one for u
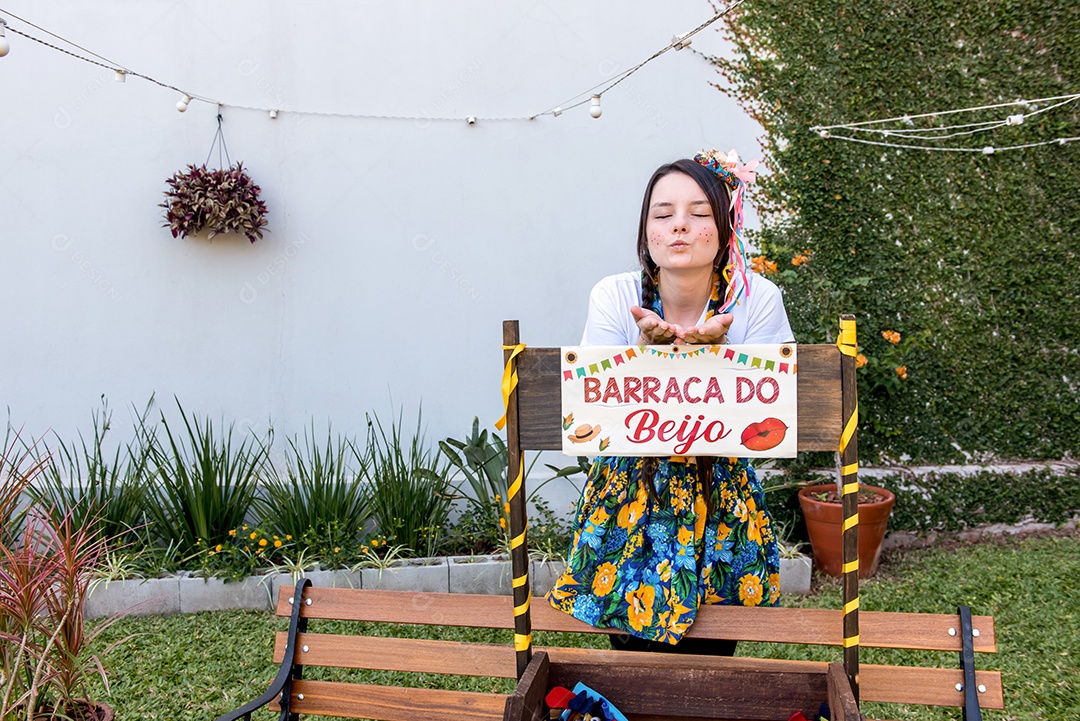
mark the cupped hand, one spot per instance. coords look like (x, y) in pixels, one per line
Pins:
(712, 331)
(654, 329)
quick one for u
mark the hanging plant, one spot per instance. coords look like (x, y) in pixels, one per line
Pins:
(221, 201)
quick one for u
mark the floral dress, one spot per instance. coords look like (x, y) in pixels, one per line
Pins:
(643, 564)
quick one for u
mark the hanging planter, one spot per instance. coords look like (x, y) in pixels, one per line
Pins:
(225, 200)
(221, 201)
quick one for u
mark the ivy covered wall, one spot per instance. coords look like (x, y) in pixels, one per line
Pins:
(960, 267)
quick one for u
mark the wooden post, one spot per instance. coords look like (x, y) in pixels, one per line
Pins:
(515, 476)
(849, 474)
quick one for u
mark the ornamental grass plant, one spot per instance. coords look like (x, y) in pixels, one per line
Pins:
(97, 490)
(204, 483)
(321, 501)
(408, 490)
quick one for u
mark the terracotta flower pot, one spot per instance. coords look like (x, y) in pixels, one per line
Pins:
(824, 520)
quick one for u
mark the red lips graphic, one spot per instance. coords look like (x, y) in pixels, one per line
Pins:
(762, 436)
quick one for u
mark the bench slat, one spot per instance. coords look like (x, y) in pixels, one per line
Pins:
(878, 629)
(388, 703)
(401, 654)
(927, 686)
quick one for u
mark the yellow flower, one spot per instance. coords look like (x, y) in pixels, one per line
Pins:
(232, 531)
(375, 543)
(599, 516)
(337, 549)
(774, 587)
(365, 549)
(722, 532)
(262, 541)
(243, 528)
(246, 548)
(891, 336)
(750, 590)
(663, 570)
(640, 613)
(253, 535)
(288, 537)
(277, 544)
(630, 514)
(502, 523)
(902, 372)
(604, 579)
(506, 508)
(685, 536)
(218, 548)
(860, 361)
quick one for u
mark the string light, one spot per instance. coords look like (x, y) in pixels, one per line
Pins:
(595, 110)
(592, 95)
(5, 46)
(943, 132)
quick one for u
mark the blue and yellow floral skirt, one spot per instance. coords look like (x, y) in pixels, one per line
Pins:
(643, 564)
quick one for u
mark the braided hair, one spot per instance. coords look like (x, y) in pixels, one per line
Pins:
(720, 200)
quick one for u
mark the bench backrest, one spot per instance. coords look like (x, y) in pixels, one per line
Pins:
(894, 684)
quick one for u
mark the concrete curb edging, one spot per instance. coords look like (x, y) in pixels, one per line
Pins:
(489, 575)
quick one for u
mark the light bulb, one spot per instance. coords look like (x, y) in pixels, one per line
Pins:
(5, 46)
(1015, 119)
(273, 114)
(557, 111)
(680, 41)
(988, 150)
(595, 110)
(120, 76)
(181, 105)
(471, 120)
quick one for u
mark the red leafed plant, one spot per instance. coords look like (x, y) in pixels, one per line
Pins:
(47, 656)
(225, 200)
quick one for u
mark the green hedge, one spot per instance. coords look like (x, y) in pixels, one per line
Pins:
(971, 258)
(956, 502)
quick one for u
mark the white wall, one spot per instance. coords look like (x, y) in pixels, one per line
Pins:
(396, 247)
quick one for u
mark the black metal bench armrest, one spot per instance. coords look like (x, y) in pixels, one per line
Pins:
(283, 681)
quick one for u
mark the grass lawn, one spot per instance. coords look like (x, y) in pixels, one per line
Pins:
(203, 665)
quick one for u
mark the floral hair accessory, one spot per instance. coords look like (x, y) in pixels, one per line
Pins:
(736, 177)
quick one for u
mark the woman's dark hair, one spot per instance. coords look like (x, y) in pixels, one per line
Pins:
(719, 198)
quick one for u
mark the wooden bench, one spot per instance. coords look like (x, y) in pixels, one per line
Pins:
(645, 686)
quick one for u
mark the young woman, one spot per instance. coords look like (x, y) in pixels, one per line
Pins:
(657, 537)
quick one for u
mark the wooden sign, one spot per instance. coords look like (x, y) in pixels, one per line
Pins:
(715, 400)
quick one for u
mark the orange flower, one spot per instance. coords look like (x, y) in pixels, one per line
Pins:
(502, 523)
(800, 259)
(860, 361)
(262, 541)
(891, 336)
(762, 265)
(604, 579)
(774, 587)
(641, 606)
(277, 544)
(750, 590)
(902, 372)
